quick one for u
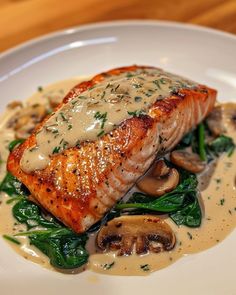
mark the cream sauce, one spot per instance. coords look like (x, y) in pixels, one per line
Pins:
(218, 199)
(98, 110)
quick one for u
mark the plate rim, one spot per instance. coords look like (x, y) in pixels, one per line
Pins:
(116, 23)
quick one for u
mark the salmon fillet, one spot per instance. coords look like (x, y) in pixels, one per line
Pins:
(82, 183)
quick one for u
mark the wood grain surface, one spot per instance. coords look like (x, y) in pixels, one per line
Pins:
(21, 20)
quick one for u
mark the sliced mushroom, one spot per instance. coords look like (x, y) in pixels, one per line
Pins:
(214, 121)
(25, 120)
(162, 179)
(187, 160)
(145, 232)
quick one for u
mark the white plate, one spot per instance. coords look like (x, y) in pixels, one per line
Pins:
(205, 55)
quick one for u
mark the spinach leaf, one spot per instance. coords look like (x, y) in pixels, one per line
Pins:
(181, 203)
(186, 141)
(65, 249)
(190, 215)
(28, 213)
(138, 197)
(222, 144)
(14, 143)
(12, 186)
(163, 204)
(196, 139)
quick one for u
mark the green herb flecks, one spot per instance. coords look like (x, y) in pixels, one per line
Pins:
(157, 83)
(136, 113)
(56, 150)
(145, 267)
(102, 117)
(222, 202)
(117, 87)
(40, 88)
(135, 85)
(108, 266)
(137, 98)
(63, 117)
(190, 235)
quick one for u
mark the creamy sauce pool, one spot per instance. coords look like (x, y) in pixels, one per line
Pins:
(96, 111)
(218, 200)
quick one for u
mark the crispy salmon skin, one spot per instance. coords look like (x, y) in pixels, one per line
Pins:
(80, 184)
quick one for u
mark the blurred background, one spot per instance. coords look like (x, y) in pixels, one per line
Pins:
(21, 20)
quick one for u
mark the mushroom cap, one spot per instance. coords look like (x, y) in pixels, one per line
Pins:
(214, 121)
(162, 179)
(187, 160)
(25, 120)
(146, 232)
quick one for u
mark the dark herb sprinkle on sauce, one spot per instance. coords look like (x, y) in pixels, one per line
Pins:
(40, 88)
(145, 267)
(190, 235)
(108, 266)
(222, 202)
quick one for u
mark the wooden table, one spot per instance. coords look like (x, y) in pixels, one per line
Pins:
(21, 20)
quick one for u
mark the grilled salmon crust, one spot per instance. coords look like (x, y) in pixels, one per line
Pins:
(82, 183)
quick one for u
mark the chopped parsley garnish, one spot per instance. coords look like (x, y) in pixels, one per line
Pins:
(117, 87)
(222, 201)
(70, 127)
(162, 81)
(145, 267)
(74, 102)
(63, 117)
(136, 113)
(56, 150)
(107, 266)
(40, 88)
(138, 98)
(190, 235)
(101, 133)
(101, 117)
(103, 94)
(82, 97)
(137, 85)
(157, 83)
(129, 75)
